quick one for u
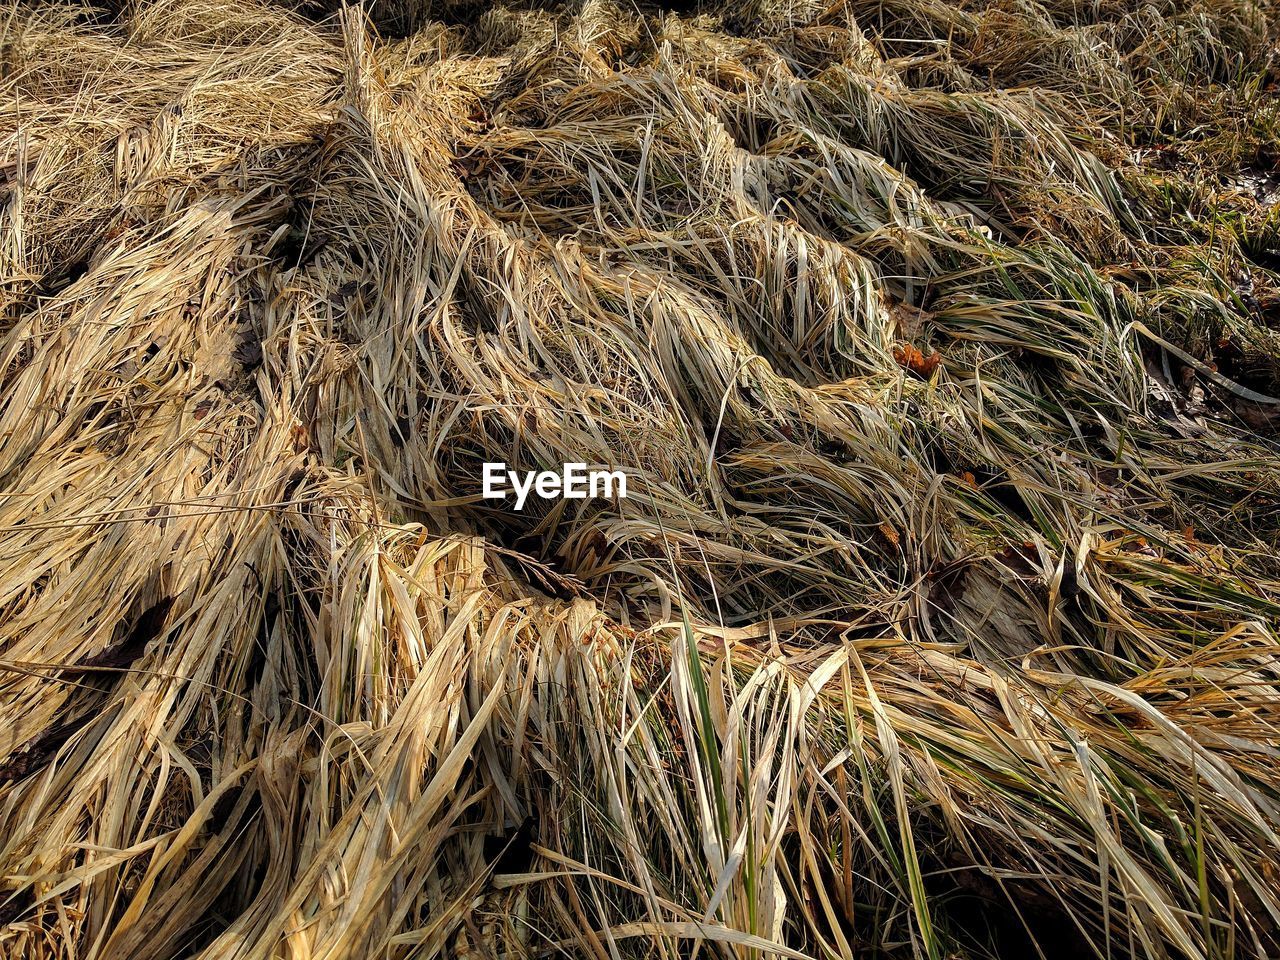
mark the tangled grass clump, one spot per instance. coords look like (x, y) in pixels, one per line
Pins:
(939, 342)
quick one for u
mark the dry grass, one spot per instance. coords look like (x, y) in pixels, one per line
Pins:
(889, 653)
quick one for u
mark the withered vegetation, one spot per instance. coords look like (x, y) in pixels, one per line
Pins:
(939, 341)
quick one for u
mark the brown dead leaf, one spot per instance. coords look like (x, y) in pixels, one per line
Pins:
(910, 358)
(908, 321)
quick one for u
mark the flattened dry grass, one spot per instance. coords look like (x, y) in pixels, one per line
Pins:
(938, 340)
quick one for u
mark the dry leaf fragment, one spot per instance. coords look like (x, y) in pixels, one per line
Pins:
(910, 358)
